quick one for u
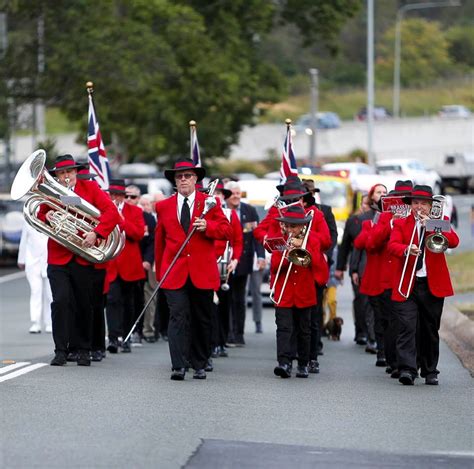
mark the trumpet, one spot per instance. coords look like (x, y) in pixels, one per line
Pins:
(435, 242)
(298, 256)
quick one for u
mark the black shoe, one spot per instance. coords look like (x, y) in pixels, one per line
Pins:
(432, 380)
(59, 359)
(126, 348)
(320, 353)
(313, 366)
(199, 374)
(388, 370)
(113, 345)
(395, 374)
(381, 361)
(209, 366)
(150, 339)
(406, 378)
(258, 328)
(371, 348)
(96, 355)
(223, 352)
(302, 372)
(283, 371)
(164, 337)
(72, 356)
(84, 358)
(215, 352)
(361, 341)
(178, 375)
(240, 343)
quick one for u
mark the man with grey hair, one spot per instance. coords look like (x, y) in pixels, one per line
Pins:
(248, 220)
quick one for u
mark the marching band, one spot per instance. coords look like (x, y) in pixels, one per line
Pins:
(198, 249)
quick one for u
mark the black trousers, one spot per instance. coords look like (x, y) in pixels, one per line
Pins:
(360, 305)
(120, 308)
(220, 323)
(316, 343)
(98, 313)
(238, 285)
(71, 309)
(162, 314)
(379, 304)
(424, 309)
(189, 330)
(390, 328)
(293, 323)
(139, 294)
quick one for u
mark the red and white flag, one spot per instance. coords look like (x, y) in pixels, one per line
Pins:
(288, 162)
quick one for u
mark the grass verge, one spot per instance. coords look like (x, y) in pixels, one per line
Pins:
(461, 268)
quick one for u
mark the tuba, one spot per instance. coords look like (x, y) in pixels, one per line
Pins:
(70, 221)
(436, 242)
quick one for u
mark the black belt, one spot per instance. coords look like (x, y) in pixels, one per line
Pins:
(422, 279)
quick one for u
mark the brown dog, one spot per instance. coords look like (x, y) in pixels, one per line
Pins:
(333, 328)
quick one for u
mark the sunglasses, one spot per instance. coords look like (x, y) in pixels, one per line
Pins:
(131, 196)
(184, 176)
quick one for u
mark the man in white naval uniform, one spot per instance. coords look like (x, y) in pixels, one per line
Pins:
(32, 256)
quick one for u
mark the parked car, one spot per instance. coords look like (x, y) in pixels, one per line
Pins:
(11, 224)
(411, 169)
(455, 110)
(380, 113)
(325, 120)
(457, 172)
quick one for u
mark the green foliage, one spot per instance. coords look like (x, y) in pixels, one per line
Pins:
(424, 53)
(155, 65)
(461, 44)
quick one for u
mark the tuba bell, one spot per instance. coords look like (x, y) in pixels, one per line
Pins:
(70, 221)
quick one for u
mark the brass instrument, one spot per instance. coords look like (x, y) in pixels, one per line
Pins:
(224, 260)
(435, 242)
(69, 222)
(298, 256)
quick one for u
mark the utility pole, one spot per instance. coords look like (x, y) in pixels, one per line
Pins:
(370, 81)
(8, 116)
(313, 72)
(398, 44)
(39, 126)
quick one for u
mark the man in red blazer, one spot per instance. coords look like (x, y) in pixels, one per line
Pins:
(425, 298)
(70, 275)
(191, 281)
(125, 270)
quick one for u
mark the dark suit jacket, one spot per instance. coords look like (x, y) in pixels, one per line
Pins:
(147, 244)
(331, 222)
(245, 266)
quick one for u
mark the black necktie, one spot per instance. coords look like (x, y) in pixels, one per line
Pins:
(419, 259)
(185, 215)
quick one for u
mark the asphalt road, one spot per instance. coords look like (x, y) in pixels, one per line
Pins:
(126, 412)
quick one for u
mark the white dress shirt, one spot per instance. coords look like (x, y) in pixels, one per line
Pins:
(191, 198)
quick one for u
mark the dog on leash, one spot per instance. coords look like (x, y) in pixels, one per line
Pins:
(333, 328)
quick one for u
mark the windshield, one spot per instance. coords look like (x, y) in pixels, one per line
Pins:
(389, 169)
(333, 193)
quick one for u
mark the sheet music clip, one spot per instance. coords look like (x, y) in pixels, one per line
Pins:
(70, 199)
(275, 244)
(442, 226)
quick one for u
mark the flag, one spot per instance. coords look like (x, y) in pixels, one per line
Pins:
(288, 161)
(98, 162)
(195, 153)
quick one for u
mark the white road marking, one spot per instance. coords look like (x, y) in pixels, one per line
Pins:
(14, 366)
(23, 371)
(15, 276)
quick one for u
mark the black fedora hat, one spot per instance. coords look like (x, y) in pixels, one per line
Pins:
(116, 186)
(419, 192)
(402, 188)
(294, 215)
(293, 189)
(310, 185)
(65, 162)
(183, 164)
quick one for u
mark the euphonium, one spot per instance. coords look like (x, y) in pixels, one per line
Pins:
(70, 222)
(436, 242)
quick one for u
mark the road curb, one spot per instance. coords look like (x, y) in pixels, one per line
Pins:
(457, 330)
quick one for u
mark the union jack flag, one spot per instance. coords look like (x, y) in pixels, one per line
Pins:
(288, 161)
(195, 153)
(98, 162)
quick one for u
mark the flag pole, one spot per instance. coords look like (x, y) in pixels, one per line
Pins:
(192, 128)
(288, 135)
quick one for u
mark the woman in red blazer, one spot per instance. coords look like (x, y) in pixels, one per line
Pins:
(191, 282)
(425, 300)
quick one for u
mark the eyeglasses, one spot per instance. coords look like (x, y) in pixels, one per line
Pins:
(184, 176)
(128, 196)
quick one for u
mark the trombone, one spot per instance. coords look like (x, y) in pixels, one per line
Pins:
(298, 256)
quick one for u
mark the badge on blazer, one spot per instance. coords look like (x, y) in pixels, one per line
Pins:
(249, 226)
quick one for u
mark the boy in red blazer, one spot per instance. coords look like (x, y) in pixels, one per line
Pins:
(191, 282)
(424, 300)
(293, 303)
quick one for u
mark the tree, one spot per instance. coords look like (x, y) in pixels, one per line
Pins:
(424, 53)
(461, 44)
(155, 64)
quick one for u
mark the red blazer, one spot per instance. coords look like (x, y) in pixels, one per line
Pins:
(270, 227)
(237, 241)
(198, 259)
(129, 263)
(300, 289)
(109, 218)
(439, 281)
